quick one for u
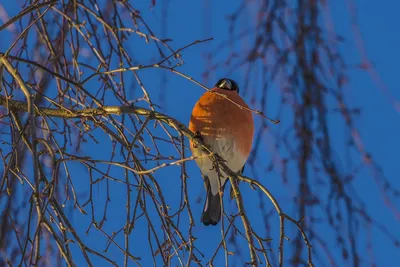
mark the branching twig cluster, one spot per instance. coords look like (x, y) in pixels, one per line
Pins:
(80, 61)
(293, 50)
(84, 148)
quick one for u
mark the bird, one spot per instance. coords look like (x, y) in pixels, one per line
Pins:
(224, 122)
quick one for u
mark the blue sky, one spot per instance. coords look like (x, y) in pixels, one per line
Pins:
(378, 123)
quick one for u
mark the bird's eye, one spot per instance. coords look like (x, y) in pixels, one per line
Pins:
(235, 86)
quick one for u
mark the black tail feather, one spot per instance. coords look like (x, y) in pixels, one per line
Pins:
(212, 208)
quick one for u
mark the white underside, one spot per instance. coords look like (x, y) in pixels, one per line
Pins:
(226, 148)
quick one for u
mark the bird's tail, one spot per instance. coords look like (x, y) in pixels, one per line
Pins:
(212, 208)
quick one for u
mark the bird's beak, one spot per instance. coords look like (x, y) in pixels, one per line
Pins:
(226, 84)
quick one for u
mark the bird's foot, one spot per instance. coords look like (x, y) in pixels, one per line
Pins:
(197, 135)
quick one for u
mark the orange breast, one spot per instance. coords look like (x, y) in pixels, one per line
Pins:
(215, 116)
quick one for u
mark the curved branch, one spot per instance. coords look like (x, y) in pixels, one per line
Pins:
(91, 113)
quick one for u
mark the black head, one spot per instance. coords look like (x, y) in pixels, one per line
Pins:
(227, 84)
